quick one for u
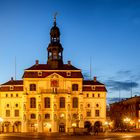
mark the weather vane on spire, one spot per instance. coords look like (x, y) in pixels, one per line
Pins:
(55, 17)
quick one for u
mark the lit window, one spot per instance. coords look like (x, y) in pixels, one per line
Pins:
(32, 87)
(88, 113)
(7, 113)
(97, 113)
(16, 113)
(32, 102)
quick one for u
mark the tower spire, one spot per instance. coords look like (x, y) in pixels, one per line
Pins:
(55, 14)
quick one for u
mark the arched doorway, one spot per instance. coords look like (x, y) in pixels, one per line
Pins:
(87, 124)
(61, 127)
(17, 126)
(98, 125)
(6, 126)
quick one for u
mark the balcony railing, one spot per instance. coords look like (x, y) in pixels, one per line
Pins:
(55, 91)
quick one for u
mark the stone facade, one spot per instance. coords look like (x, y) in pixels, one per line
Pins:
(52, 97)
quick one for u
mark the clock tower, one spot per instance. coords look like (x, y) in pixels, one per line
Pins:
(55, 49)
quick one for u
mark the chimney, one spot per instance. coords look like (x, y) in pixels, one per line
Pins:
(36, 62)
(69, 62)
(12, 79)
(95, 79)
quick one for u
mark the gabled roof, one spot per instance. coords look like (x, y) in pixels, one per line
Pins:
(14, 82)
(46, 67)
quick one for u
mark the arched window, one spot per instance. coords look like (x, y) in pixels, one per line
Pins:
(75, 102)
(75, 87)
(46, 102)
(32, 87)
(62, 102)
(32, 102)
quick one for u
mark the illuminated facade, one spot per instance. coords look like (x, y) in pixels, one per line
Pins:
(52, 97)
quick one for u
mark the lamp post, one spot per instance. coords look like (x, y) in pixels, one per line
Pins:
(1, 120)
(127, 121)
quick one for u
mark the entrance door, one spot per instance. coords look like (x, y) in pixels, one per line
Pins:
(62, 128)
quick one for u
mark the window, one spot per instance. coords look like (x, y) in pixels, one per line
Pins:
(97, 113)
(62, 102)
(32, 102)
(75, 102)
(32, 87)
(47, 102)
(93, 87)
(68, 73)
(6, 95)
(16, 95)
(88, 105)
(88, 113)
(75, 87)
(97, 105)
(33, 116)
(16, 113)
(39, 73)
(11, 88)
(75, 116)
(16, 105)
(87, 95)
(7, 113)
(11, 95)
(93, 95)
(47, 116)
(7, 105)
(98, 94)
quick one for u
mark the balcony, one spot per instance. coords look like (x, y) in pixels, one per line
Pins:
(55, 91)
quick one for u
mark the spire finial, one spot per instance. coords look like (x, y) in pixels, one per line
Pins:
(55, 18)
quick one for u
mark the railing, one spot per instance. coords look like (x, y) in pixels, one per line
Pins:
(55, 91)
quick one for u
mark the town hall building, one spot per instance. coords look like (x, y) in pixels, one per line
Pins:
(52, 97)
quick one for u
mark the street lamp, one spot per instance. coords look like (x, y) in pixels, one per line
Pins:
(127, 121)
(1, 120)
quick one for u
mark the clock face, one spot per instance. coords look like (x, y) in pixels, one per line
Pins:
(54, 83)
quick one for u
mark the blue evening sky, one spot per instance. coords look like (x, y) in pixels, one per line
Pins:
(103, 33)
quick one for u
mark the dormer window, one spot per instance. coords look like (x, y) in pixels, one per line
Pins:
(68, 73)
(40, 73)
(93, 87)
(11, 88)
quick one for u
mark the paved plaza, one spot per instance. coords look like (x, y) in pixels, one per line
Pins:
(63, 136)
